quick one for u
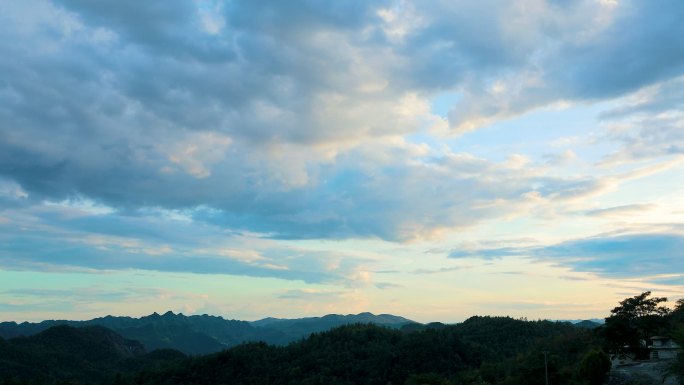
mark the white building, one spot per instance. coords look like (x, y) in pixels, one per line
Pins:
(663, 348)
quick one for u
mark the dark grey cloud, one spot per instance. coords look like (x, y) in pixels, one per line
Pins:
(626, 46)
(171, 28)
(639, 48)
(349, 199)
(283, 118)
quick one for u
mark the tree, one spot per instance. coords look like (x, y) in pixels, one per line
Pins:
(427, 379)
(635, 320)
(677, 314)
(676, 367)
(594, 367)
(640, 306)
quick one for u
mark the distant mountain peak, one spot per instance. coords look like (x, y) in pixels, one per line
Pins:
(199, 334)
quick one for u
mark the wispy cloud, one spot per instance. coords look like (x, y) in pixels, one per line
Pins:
(621, 210)
(309, 294)
(440, 270)
(644, 255)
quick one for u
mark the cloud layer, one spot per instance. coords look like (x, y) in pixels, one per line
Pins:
(209, 136)
(657, 257)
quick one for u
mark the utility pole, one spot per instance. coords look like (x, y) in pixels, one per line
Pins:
(546, 368)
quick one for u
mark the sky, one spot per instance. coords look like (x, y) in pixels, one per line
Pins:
(435, 159)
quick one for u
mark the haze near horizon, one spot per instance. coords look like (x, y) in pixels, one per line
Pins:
(432, 160)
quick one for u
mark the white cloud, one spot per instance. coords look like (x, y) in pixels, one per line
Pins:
(198, 152)
(310, 120)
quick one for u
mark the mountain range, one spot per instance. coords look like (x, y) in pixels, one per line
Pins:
(202, 334)
(358, 349)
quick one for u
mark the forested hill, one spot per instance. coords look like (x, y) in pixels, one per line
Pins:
(479, 351)
(202, 334)
(498, 350)
(295, 329)
(508, 351)
(92, 354)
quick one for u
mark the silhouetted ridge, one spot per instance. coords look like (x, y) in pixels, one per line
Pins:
(481, 350)
(202, 334)
(501, 349)
(89, 353)
(88, 342)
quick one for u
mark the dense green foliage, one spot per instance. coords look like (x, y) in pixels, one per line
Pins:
(479, 351)
(629, 328)
(636, 319)
(200, 334)
(482, 350)
(676, 318)
(353, 354)
(594, 367)
(87, 354)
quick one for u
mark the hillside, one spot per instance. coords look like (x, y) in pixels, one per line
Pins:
(482, 350)
(203, 334)
(298, 328)
(89, 353)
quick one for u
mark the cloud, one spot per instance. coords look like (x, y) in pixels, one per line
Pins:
(631, 255)
(532, 305)
(10, 190)
(627, 255)
(387, 285)
(623, 47)
(647, 124)
(310, 294)
(64, 237)
(486, 253)
(75, 299)
(492, 249)
(441, 270)
(44, 253)
(560, 158)
(347, 198)
(625, 210)
(292, 120)
(652, 100)
(81, 294)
